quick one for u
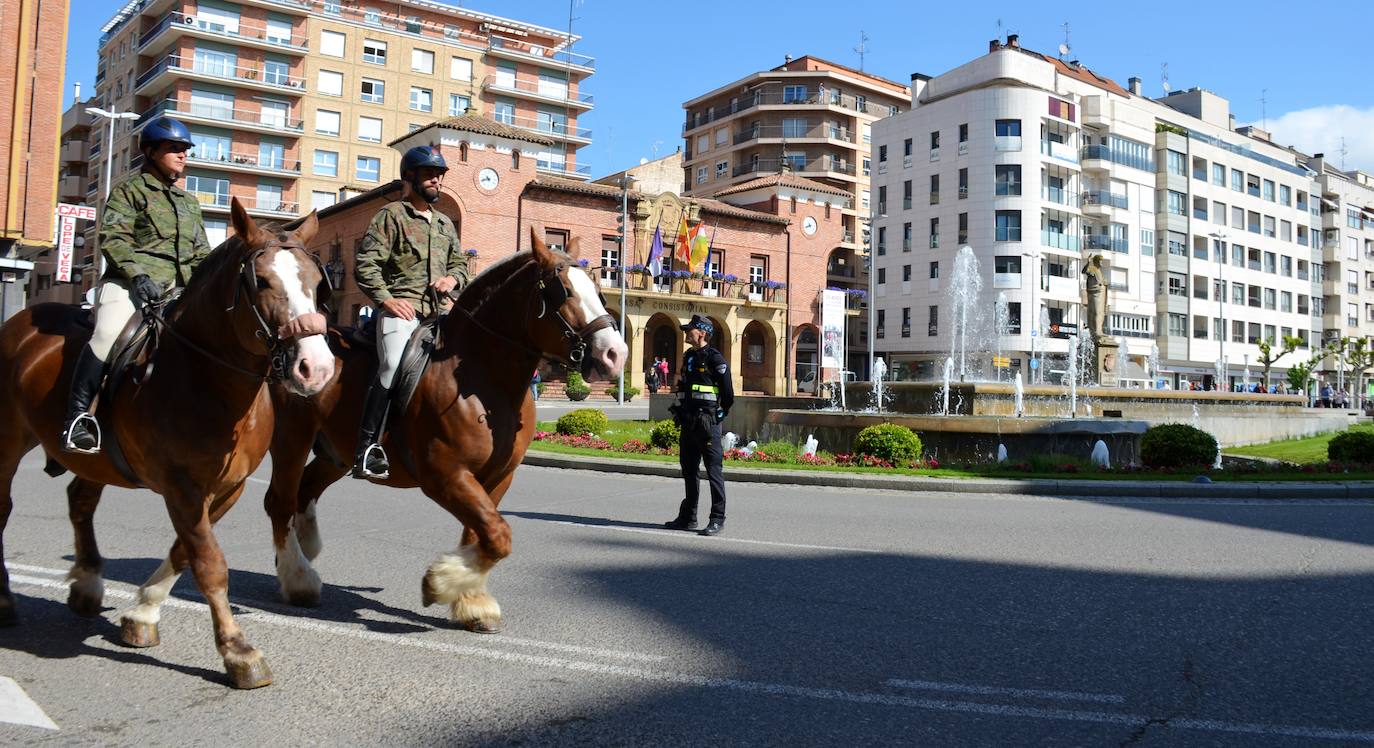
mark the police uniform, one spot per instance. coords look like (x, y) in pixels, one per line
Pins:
(705, 395)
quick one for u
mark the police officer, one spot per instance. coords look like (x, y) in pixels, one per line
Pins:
(410, 248)
(705, 395)
(152, 237)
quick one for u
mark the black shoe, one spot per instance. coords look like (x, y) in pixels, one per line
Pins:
(713, 528)
(82, 434)
(681, 524)
(369, 460)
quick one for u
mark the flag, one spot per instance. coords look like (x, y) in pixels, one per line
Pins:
(655, 264)
(701, 246)
(684, 249)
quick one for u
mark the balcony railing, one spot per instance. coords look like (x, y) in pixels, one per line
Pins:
(1059, 195)
(823, 163)
(536, 88)
(263, 118)
(1103, 241)
(241, 32)
(580, 171)
(216, 69)
(543, 55)
(791, 133)
(1108, 199)
(249, 160)
(561, 129)
(222, 200)
(1059, 240)
(773, 97)
(1057, 150)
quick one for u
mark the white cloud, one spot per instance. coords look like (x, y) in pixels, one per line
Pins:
(1320, 130)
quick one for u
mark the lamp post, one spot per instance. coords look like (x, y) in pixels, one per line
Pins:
(1035, 315)
(1220, 248)
(109, 152)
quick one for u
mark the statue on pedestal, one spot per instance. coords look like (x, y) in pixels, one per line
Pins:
(1095, 320)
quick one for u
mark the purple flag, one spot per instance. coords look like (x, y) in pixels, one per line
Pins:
(655, 263)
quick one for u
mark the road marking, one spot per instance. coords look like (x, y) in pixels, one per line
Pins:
(763, 688)
(17, 708)
(716, 539)
(1033, 693)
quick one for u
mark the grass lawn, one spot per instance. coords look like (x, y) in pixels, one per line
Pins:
(1300, 451)
(620, 431)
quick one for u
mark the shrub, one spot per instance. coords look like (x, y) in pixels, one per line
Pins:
(888, 442)
(630, 391)
(577, 388)
(665, 434)
(1173, 445)
(582, 421)
(1352, 446)
(783, 451)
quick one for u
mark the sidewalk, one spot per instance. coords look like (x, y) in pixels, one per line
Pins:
(917, 483)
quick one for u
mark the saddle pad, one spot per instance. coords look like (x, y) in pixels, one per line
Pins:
(413, 362)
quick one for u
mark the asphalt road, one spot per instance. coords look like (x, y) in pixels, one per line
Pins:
(635, 410)
(821, 617)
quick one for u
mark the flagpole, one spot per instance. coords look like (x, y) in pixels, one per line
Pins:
(624, 234)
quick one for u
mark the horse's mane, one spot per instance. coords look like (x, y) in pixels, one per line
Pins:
(489, 281)
(230, 251)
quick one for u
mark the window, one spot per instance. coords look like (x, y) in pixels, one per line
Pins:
(1147, 242)
(1174, 163)
(882, 276)
(1178, 284)
(934, 233)
(932, 321)
(460, 69)
(458, 105)
(722, 169)
(271, 155)
(372, 17)
(934, 189)
(276, 72)
(722, 136)
(1219, 174)
(332, 7)
(963, 184)
(414, 24)
(421, 99)
(882, 154)
(1176, 202)
(1007, 180)
(504, 111)
(793, 128)
(906, 237)
(326, 122)
(935, 271)
(1269, 190)
(963, 229)
(758, 271)
(332, 43)
(1252, 185)
(701, 175)
(1008, 225)
(1178, 325)
(963, 134)
(373, 91)
(329, 83)
(906, 273)
(374, 51)
(793, 94)
(1285, 195)
(882, 240)
(1237, 180)
(422, 61)
(369, 169)
(610, 259)
(1008, 136)
(880, 328)
(208, 189)
(370, 129)
(1006, 264)
(269, 197)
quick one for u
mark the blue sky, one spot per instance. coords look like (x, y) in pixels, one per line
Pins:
(648, 61)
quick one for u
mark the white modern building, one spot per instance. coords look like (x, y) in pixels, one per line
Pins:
(1347, 231)
(1209, 235)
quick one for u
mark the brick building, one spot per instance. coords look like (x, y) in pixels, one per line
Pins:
(772, 236)
(33, 54)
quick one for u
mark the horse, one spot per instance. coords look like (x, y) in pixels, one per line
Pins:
(193, 429)
(463, 433)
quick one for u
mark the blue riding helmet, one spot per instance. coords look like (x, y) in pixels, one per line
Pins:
(164, 130)
(700, 323)
(421, 156)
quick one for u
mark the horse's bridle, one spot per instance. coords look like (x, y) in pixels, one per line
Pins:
(300, 326)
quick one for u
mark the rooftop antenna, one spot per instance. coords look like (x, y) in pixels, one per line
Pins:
(862, 49)
(1064, 48)
(1264, 102)
(1164, 77)
(999, 29)
(1342, 151)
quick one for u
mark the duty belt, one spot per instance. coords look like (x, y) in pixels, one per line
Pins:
(702, 396)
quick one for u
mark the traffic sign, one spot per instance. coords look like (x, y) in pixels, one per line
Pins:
(1035, 363)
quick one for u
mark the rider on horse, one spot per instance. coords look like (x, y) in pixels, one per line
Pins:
(410, 248)
(152, 237)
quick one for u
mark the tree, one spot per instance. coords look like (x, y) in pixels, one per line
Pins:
(1300, 374)
(1268, 358)
(1359, 357)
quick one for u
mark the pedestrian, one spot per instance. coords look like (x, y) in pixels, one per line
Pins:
(534, 384)
(705, 395)
(1326, 395)
(663, 369)
(651, 377)
(408, 264)
(153, 237)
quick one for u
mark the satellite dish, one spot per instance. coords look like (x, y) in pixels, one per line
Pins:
(643, 161)
(1063, 49)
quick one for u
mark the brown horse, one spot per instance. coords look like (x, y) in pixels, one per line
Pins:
(193, 430)
(464, 432)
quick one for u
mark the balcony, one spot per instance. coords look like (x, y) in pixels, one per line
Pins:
(728, 294)
(780, 133)
(524, 51)
(1058, 240)
(579, 172)
(768, 97)
(559, 130)
(821, 166)
(1059, 196)
(1105, 200)
(250, 163)
(1059, 151)
(173, 66)
(175, 25)
(266, 121)
(1006, 280)
(153, 7)
(74, 186)
(536, 90)
(218, 202)
(1105, 242)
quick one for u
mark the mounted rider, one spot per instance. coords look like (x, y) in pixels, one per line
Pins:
(410, 248)
(152, 238)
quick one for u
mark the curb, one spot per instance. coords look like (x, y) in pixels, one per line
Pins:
(921, 484)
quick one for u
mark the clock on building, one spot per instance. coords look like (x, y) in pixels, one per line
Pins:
(809, 226)
(487, 179)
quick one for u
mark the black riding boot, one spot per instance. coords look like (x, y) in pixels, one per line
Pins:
(369, 460)
(82, 434)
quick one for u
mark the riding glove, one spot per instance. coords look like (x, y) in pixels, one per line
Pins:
(146, 290)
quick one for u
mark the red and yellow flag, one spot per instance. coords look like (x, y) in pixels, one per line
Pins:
(683, 251)
(701, 246)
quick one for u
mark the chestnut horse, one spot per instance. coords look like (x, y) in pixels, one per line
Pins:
(193, 430)
(463, 433)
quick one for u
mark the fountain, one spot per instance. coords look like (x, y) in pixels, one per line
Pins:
(1001, 327)
(966, 283)
(1152, 365)
(811, 446)
(729, 441)
(1100, 456)
(1044, 328)
(1246, 380)
(1020, 406)
(879, 372)
(1220, 374)
(949, 370)
(1001, 453)
(1072, 376)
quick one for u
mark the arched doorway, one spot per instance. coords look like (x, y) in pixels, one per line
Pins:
(721, 339)
(806, 368)
(759, 354)
(663, 339)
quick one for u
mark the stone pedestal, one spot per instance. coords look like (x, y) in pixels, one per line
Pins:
(1109, 362)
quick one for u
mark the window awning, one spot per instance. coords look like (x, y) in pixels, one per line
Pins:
(1330, 204)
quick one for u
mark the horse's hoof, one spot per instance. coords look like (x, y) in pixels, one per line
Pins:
(250, 673)
(303, 598)
(482, 625)
(84, 605)
(138, 634)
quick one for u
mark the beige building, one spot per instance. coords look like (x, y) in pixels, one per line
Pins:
(291, 102)
(807, 116)
(652, 177)
(76, 175)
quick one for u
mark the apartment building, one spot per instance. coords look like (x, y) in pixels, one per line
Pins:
(810, 117)
(75, 169)
(33, 55)
(1209, 235)
(291, 102)
(1347, 232)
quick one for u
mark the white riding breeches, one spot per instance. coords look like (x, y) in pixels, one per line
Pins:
(393, 333)
(113, 308)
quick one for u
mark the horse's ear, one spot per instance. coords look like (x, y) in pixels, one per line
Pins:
(244, 226)
(574, 247)
(308, 228)
(542, 255)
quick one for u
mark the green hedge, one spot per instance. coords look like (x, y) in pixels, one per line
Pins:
(665, 434)
(1177, 445)
(889, 441)
(582, 421)
(1352, 446)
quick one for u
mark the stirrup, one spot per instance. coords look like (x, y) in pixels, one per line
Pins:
(362, 471)
(93, 427)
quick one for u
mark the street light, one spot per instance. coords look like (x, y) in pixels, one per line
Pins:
(1035, 316)
(1220, 249)
(109, 153)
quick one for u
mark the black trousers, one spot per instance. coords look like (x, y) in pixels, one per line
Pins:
(701, 441)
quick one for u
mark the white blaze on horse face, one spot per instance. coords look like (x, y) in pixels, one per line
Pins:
(314, 364)
(607, 347)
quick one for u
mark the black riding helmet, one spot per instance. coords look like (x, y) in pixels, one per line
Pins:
(421, 156)
(164, 130)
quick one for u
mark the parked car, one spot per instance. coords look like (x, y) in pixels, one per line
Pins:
(807, 385)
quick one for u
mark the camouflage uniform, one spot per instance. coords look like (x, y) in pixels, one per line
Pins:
(402, 253)
(146, 228)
